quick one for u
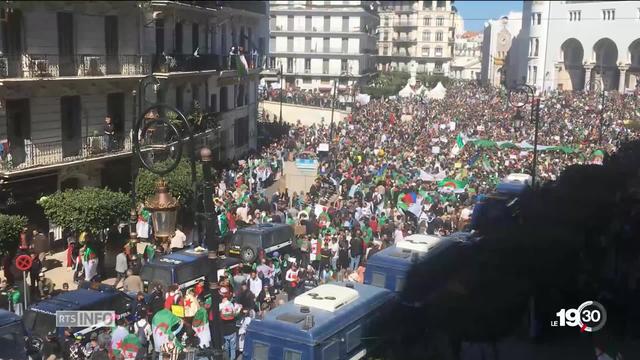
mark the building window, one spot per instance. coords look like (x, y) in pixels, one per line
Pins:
(386, 21)
(307, 65)
(344, 65)
(575, 15)
(438, 52)
(535, 74)
(609, 14)
(536, 19)
(426, 36)
(439, 21)
(439, 36)
(289, 65)
(241, 131)
(437, 68)
(385, 50)
(306, 81)
(325, 66)
(425, 51)
(536, 42)
(426, 21)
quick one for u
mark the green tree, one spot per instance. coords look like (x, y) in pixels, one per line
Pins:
(179, 180)
(387, 84)
(88, 209)
(10, 227)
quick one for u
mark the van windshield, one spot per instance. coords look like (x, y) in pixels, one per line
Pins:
(156, 274)
(38, 323)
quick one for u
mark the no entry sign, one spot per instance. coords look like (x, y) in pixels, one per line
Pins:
(23, 262)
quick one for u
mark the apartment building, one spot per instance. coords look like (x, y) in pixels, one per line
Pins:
(65, 66)
(467, 60)
(316, 42)
(417, 34)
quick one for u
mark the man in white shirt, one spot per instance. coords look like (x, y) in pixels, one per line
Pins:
(243, 213)
(178, 240)
(255, 284)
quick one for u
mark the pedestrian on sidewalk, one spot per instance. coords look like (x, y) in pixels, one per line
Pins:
(34, 271)
(121, 267)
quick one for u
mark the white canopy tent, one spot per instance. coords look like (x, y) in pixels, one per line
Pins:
(438, 92)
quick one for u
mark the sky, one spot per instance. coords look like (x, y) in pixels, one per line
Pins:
(475, 13)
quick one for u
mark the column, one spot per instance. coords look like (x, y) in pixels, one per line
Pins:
(623, 78)
(558, 68)
(587, 75)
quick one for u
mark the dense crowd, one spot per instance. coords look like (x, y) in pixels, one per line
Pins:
(396, 167)
(304, 97)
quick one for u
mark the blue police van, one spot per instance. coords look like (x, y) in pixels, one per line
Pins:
(497, 207)
(388, 268)
(331, 321)
(184, 268)
(40, 318)
(12, 337)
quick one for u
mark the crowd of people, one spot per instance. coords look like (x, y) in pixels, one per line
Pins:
(317, 98)
(395, 167)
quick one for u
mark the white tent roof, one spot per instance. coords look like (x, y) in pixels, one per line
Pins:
(408, 91)
(437, 92)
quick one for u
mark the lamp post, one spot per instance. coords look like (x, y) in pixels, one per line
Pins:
(281, 87)
(529, 94)
(597, 86)
(162, 205)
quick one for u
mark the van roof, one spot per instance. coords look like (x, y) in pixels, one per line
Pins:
(73, 300)
(418, 242)
(8, 318)
(262, 228)
(399, 258)
(178, 258)
(286, 321)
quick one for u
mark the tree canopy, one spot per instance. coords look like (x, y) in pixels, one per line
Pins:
(10, 228)
(179, 180)
(87, 209)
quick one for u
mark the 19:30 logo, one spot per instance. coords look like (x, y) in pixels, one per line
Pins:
(590, 316)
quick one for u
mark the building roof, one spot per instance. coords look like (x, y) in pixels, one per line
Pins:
(287, 321)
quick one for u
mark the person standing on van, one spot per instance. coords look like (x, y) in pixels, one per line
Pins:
(178, 240)
(291, 279)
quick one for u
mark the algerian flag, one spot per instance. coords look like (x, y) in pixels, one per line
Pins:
(200, 325)
(165, 327)
(130, 346)
(454, 185)
(223, 224)
(150, 251)
(117, 336)
(486, 163)
(241, 65)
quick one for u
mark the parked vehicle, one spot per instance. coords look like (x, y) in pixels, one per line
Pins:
(388, 268)
(184, 268)
(248, 242)
(12, 338)
(331, 321)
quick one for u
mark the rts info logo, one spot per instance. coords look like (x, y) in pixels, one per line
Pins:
(590, 316)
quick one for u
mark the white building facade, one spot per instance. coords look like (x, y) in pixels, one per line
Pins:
(573, 44)
(501, 50)
(65, 66)
(417, 32)
(467, 60)
(315, 42)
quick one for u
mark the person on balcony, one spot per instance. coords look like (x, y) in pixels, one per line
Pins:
(109, 133)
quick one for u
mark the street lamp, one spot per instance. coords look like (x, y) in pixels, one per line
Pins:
(597, 86)
(164, 210)
(163, 206)
(515, 99)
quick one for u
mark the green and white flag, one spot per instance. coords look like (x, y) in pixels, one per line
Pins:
(130, 346)
(117, 336)
(165, 327)
(200, 325)
(223, 224)
(241, 66)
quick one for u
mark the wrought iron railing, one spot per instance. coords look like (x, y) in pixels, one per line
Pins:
(30, 154)
(33, 66)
